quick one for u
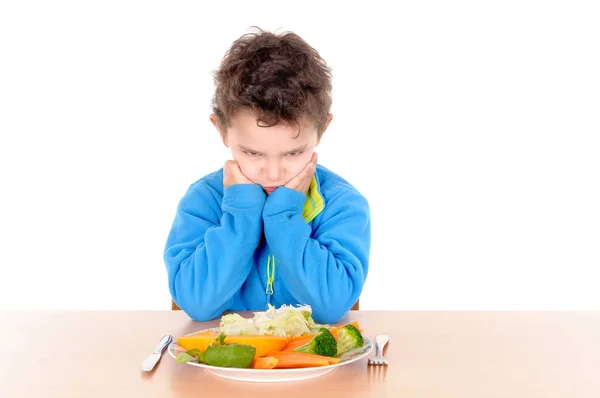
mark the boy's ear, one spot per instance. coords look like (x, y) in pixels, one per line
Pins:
(222, 132)
(329, 119)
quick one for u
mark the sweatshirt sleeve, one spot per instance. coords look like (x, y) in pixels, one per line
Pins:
(327, 267)
(210, 247)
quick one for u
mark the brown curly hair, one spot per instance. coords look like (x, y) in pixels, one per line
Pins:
(280, 78)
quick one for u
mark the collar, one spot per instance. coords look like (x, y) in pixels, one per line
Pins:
(314, 203)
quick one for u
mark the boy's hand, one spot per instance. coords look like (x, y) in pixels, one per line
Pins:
(301, 182)
(232, 174)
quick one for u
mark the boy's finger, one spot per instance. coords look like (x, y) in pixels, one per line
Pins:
(296, 181)
(310, 167)
(307, 173)
(238, 174)
(313, 164)
(235, 168)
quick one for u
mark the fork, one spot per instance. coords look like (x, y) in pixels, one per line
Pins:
(380, 342)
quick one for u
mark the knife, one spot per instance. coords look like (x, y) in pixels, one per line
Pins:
(153, 358)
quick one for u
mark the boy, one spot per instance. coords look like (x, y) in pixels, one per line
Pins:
(271, 226)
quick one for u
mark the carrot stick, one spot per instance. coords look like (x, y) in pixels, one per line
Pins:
(289, 359)
(331, 360)
(292, 345)
(303, 337)
(264, 362)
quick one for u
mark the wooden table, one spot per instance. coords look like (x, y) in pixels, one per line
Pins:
(431, 354)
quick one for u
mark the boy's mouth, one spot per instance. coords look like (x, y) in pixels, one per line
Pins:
(269, 189)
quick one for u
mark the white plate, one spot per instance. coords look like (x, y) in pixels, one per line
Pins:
(278, 375)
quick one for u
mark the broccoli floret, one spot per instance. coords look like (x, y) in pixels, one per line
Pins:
(322, 344)
(349, 337)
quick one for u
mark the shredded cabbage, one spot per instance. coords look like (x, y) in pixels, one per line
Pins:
(286, 321)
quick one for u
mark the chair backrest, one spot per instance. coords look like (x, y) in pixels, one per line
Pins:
(175, 307)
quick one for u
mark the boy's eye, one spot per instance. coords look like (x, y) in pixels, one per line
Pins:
(253, 154)
(294, 153)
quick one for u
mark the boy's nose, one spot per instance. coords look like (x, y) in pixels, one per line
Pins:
(273, 172)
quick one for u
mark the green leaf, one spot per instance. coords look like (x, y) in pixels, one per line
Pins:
(188, 356)
(184, 357)
(194, 352)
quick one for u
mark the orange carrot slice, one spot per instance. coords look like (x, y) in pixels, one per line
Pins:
(264, 363)
(292, 345)
(262, 343)
(289, 359)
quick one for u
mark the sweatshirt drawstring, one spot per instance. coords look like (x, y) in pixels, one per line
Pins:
(270, 277)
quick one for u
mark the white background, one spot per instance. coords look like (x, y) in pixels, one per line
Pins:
(472, 129)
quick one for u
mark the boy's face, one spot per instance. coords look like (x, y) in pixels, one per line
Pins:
(269, 156)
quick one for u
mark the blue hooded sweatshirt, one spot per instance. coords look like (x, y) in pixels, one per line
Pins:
(239, 249)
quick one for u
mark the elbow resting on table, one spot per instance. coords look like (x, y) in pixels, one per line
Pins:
(196, 312)
(329, 313)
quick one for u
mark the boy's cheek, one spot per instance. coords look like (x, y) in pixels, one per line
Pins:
(300, 165)
(252, 171)
(249, 171)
